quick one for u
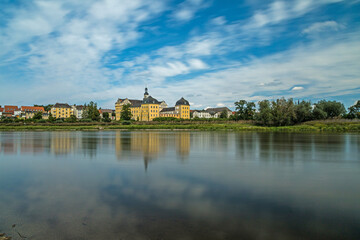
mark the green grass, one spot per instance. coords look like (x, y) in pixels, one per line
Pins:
(313, 126)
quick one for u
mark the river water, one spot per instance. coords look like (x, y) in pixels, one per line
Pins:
(179, 185)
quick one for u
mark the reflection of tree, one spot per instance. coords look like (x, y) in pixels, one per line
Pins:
(90, 144)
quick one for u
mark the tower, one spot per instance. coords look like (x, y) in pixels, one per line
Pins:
(146, 94)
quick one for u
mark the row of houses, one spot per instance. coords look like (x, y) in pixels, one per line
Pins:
(58, 110)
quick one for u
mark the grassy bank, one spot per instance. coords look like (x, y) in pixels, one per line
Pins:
(312, 126)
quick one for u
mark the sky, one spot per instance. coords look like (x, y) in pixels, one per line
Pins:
(211, 52)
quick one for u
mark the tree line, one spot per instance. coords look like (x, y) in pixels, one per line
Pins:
(285, 112)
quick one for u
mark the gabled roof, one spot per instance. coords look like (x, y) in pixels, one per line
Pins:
(134, 102)
(61, 105)
(79, 107)
(1, 109)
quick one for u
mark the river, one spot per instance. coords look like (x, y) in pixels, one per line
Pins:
(179, 185)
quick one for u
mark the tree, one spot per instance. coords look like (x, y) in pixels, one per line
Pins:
(51, 118)
(106, 117)
(72, 119)
(224, 114)
(91, 111)
(240, 107)
(354, 111)
(283, 112)
(331, 108)
(125, 112)
(37, 116)
(249, 111)
(264, 116)
(303, 111)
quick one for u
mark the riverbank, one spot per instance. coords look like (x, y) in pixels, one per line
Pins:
(312, 126)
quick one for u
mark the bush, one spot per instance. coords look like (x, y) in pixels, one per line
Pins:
(126, 122)
(85, 120)
(41, 121)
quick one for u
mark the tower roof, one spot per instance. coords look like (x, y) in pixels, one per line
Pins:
(182, 101)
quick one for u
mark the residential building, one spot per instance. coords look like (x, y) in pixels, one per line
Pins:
(78, 111)
(109, 111)
(61, 110)
(201, 114)
(150, 108)
(29, 112)
(211, 112)
(216, 112)
(9, 110)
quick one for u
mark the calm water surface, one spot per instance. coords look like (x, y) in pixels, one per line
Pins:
(179, 185)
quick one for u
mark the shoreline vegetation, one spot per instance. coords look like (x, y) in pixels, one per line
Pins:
(333, 125)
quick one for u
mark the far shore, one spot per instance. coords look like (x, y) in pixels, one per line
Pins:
(311, 126)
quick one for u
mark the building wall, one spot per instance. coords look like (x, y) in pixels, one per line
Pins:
(184, 111)
(61, 112)
(149, 112)
(136, 113)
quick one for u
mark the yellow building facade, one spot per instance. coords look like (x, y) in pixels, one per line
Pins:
(61, 110)
(150, 108)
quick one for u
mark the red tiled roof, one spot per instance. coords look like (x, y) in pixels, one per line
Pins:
(32, 109)
(1, 109)
(9, 108)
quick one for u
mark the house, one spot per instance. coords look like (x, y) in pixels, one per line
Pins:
(9, 110)
(78, 111)
(216, 112)
(150, 108)
(211, 112)
(109, 111)
(201, 114)
(61, 110)
(29, 112)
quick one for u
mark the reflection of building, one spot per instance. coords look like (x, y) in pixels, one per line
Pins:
(182, 141)
(150, 108)
(61, 142)
(150, 144)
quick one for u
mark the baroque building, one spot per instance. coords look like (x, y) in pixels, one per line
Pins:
(150, 108)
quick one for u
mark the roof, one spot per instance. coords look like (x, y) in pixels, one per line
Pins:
(32, 109)
(220, 109)
(1, 109)
(170, 109)
(79, 107)
(61, 105)
(182, 101)
(10, 108)
(150, 100)
(134, 102)
(106, 110)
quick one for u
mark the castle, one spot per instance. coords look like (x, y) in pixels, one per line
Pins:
(150, 108)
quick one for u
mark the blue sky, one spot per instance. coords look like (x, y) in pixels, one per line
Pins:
(213, 53)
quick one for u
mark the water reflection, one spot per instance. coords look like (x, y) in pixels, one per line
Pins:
(198, 185)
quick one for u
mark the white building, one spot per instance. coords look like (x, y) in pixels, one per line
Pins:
(211, 112)
(78, 111)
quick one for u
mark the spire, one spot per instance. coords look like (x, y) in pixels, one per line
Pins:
(146, 94)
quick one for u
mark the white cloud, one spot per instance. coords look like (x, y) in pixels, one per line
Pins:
(323, 26)
(187, 9)
(297, 88)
